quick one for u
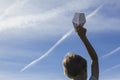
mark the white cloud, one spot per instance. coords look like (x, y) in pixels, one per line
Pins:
(13, 7)
(54, 14)
(19, 21)
(26, 20)
(101, 24)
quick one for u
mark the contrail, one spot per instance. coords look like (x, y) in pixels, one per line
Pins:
(107, 55)
(50, 50)
(111, 53)
(59, 41)
(112, 68)
(95, 11)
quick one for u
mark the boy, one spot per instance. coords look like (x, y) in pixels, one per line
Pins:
(75, 67)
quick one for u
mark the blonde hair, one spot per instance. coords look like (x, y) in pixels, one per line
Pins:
(74, 65)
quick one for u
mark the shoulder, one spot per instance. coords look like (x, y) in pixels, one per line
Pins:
(93, 78)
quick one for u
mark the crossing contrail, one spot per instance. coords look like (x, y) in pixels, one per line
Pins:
(59, 41)
(110, 69)
(111, 53)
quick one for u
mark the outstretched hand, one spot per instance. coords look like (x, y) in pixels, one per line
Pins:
(81, 31)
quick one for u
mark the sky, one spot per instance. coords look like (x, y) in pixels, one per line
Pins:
(29, 28)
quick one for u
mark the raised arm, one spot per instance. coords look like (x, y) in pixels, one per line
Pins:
(95, 65)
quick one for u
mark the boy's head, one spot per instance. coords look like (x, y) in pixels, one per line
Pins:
(74, 65)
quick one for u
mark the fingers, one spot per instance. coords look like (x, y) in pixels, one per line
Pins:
(80, 29)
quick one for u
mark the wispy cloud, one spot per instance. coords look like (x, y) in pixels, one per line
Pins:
(58, 42)
(18, 21)
(24, 21)
(13, 7)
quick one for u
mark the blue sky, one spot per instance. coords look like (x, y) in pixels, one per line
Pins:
(28, 28)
